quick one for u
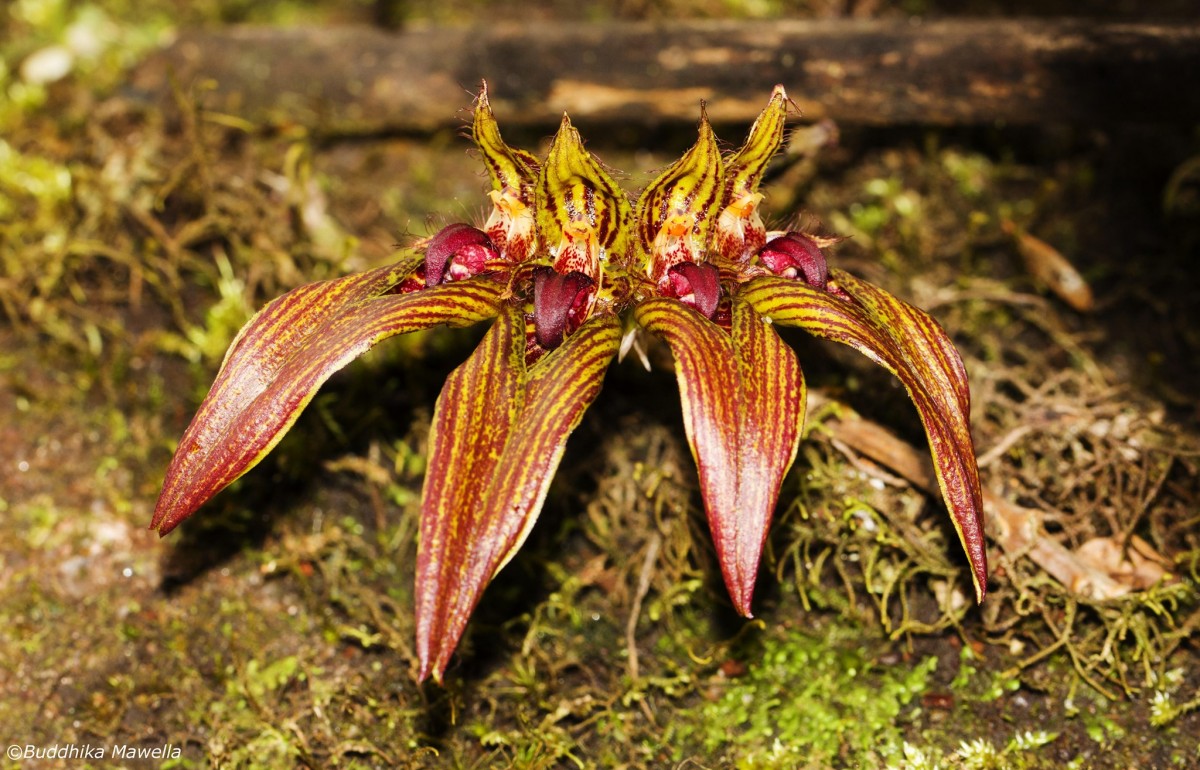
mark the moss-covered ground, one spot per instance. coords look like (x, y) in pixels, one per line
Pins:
(274, 629)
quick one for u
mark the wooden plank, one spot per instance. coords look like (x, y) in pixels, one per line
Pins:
(353, 80)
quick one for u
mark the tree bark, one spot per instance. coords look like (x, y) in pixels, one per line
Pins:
(353, 80)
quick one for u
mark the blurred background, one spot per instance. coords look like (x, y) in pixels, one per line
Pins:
(1028, 172)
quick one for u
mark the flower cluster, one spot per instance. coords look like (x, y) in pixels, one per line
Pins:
(563, 256)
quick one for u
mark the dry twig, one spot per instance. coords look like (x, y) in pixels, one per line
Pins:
(1016, 529)
(642, 589)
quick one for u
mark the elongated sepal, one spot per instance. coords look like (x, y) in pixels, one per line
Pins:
(744, 169)
(498, 434)
(509, 168)
(912, 345)
(582, 214)
(676, 211)
(514, 173)
(283, 355)
(740, 232)
(743, 408)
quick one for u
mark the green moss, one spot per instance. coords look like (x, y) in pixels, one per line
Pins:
(808, 700)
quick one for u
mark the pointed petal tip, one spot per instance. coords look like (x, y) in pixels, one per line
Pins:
(165, 519)
(741, 593)
(483, 107)
(742, 606)
(426, 669)
(565, 138)
(432, 657)
(165, 522)
(979, 577)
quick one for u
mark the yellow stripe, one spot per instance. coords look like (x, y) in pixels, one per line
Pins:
(690, 185)
(911, 345)
(507, 167)
(744, 170)
(573, 188)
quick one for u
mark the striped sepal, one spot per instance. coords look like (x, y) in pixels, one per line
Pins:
(507, 166)
(743, 408)
(675, 212)
(912, 345)
(580, 209)
(740, 232)
(744, 169)
(498, 435)
(283, 355)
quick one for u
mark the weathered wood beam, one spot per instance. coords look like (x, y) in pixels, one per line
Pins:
(363, 80)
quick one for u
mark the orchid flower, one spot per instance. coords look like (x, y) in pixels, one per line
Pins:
(561, 258)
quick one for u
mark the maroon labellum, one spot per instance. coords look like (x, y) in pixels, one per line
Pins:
(560, 304)
(795, 255)
(458, 251)
(698, 286)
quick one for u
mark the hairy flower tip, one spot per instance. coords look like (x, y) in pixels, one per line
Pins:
(740, 231)
(676, 211)
(509, 168)
(560, 304)
(582, 215)
(458, 251)
(698, 286)
(795, 255)
(514, 173)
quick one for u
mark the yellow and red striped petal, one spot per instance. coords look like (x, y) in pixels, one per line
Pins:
(514, 173)
(909, 343)
(498, 434)
(676, 211)
(509, 168)
(743, 408)
(283, 355)
(740, 231)
(582, 214)
(744, 169)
